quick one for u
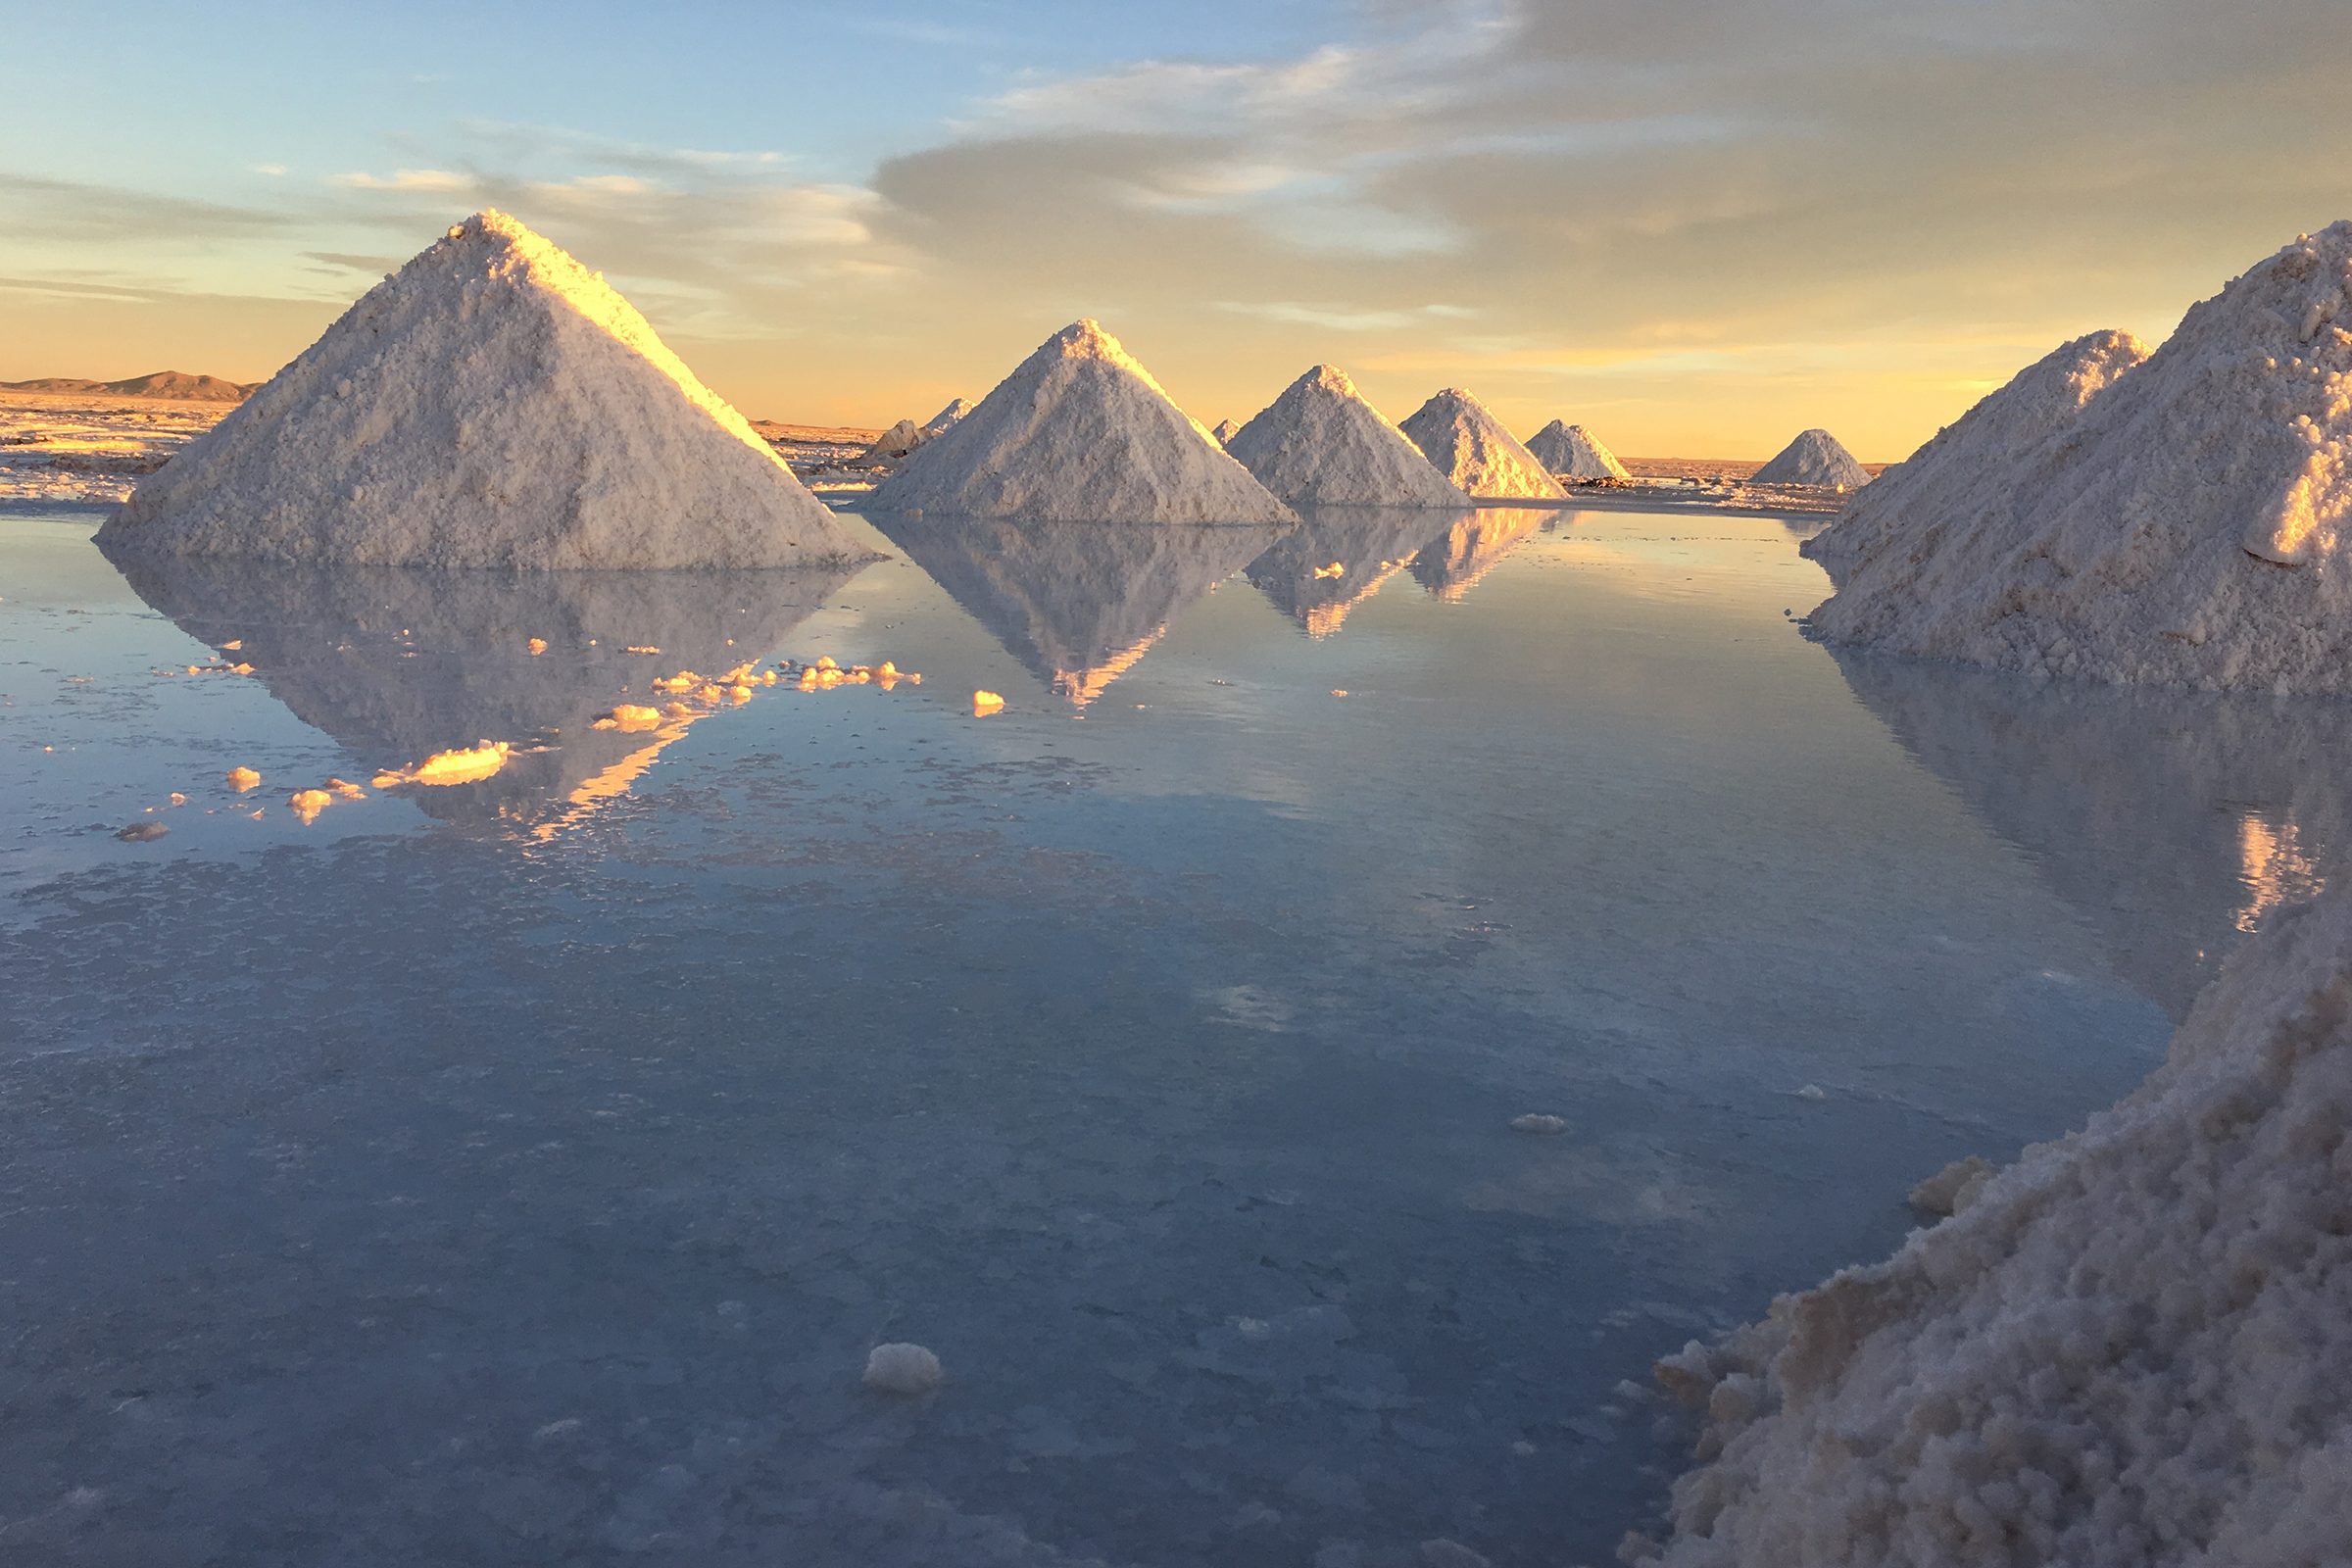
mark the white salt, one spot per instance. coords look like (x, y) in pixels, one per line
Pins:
(1321, 444)
(901, 1369)
(1572, 452)
(1815, 460)
(1225, 431)
(946, 417)
(1470, 447)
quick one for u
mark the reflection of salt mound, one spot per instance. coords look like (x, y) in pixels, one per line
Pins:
(1225, 431)
(1076, 602)
(1572, 452)
(1367, 545)
(1815, 458)
(1984, 464)
(398, 664)
(492, 404)
(1321, 444)
(2134, 1347)
(1079, 431)
(2171, 822)
(1452, 565)
(946, 417)
(2189, 530)
(1469, 446)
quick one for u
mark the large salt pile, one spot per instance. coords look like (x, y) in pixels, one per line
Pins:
(1985, 459)
(2189, 530)
(493, 404)
(1470, 447)
(2133, 1346)
(1321, 444)
(1572, 452)
(1079, 431)
(1815, 458)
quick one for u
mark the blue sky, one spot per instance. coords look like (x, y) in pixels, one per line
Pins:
(1698, 227)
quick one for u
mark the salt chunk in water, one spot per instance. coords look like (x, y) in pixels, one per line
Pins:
(901, 1369)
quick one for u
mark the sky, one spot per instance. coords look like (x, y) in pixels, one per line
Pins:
(1696, 228)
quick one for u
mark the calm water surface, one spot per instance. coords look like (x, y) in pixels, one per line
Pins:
(519, 1171)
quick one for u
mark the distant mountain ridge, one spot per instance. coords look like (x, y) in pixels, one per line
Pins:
(177, 386)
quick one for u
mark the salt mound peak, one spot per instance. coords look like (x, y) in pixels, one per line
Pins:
(894, 443)
(1572, 452)
(492, 404)
(1999, 443)
(1225, 431)
(955, 410)
(2142, 1323)
(2190, 529)
(1079, 431)
(1464, 441)
(1321, 444)
(1815, 458)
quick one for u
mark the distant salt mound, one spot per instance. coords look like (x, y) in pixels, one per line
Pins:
(2191, 530)
(1321, 444)
(1079, 431)
(1470, 447)
(493, 404)
(2132, 1347)
(1572, 452)
(1816, 459)
(945, 418)
(1983, 463)
(1225, 431)
(894, 443)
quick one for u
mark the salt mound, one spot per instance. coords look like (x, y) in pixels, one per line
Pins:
(1321, 444)
(2191, 530)
(1079, 431)
(2132, 1347)
(493, 404)
(1572, 452)
(1816, 459)
(894, 443)
(944, 418)
(1984, 460)
(1470, 447)
(1225, 431)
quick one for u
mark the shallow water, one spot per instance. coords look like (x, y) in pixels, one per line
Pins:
(519, 1171)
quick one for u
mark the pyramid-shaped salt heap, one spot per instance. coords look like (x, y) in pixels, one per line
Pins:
(1225, 431)
(1572, 452)
(2190, 529)
(894, 443)
(1470, 447)
(1815, 458)
(2001, 444)
(1079, 431)
(1321, 444)
(492, 404)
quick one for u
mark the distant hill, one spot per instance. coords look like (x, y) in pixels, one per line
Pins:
(176, 385)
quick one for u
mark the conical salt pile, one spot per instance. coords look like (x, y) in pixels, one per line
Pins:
(1321, 444)
(1225, 431)
(894, 443)
(2000, 444)
(1572, 452)
(945, 418)
(1815, 458)
(493, 404)
(1079, 431)
(1469, 446)
(2190, 529)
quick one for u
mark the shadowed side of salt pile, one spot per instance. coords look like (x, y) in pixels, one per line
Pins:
(1076, 602)
(1318, 572)
(492, 404)
(2132, 1347)
(400, 664)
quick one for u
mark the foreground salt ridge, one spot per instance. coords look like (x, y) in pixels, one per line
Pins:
(2133, 1345)
(2191, 530)
(1983, 463)
(1320, 443)
(1817, 460)
(1079, 431)
(1462, 438)
(1572, 452)
(492, 404)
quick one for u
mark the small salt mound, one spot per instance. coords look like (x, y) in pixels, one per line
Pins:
(2189, 530)
(493, 404)
(1225, 431)
(1470, 447)
(1980, 461)
(2132, 1347)
(1321, 444)
(1814, 458)
(894, 443)
(903, 1369)
(1572, 452)
(1079, 431)
(945, 418)
(1538, 1123)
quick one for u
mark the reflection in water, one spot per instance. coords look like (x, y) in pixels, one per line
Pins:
(400, 664)
(1076, 602)
(1367, 544)
(2172, 822)
(1452, 565)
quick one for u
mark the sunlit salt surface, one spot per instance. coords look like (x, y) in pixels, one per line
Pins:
(522, 1169)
